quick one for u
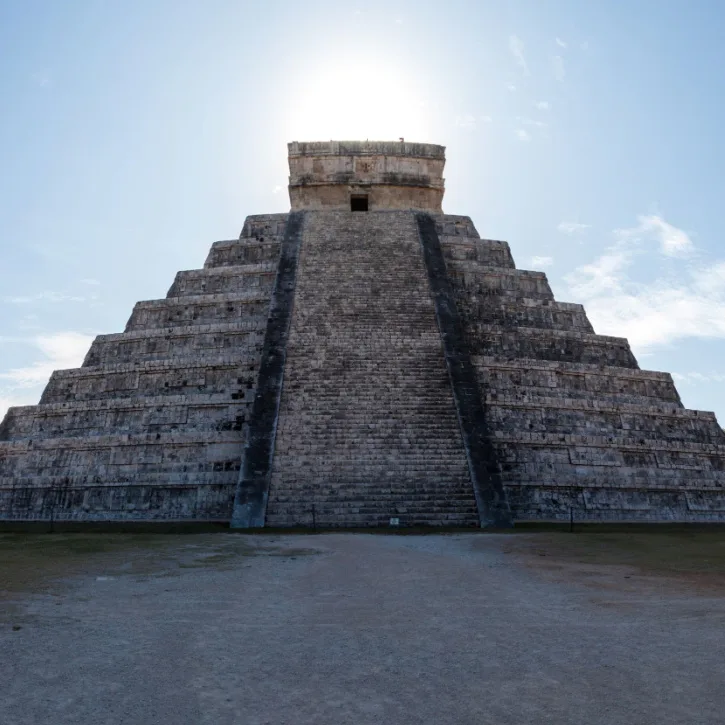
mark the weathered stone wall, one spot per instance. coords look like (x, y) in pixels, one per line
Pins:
(367, 429)
(578, 428)
(418, 353)
(324, 175)
(152, 426)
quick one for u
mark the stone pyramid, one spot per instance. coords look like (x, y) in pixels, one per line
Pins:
(364, 360)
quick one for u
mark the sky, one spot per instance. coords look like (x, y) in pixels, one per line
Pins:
(587, 134)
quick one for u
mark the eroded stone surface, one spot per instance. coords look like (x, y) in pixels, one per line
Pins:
(153, 425)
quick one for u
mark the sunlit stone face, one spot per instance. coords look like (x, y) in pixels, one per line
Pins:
(366, 175)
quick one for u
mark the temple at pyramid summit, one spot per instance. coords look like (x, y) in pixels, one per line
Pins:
(362, 360)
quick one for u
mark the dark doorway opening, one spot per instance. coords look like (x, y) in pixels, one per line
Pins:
(359, 202)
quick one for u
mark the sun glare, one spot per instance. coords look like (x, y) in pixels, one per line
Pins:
(357, 101)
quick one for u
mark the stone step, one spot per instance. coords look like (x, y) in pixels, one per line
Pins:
(292, 497)
(127, 415)
(351, 520)
(444, 475)
(264, 226)
(499, 376)
(224, 280)
(522, 312)
(176, 475)
(243, 251)
(611, 504)
(122, 453)
(455, 225)
(371, 502)
(483, 281)
(199, 310)
(559, 415)
(243, 338)
(128, 502)
(643, 478)
(487, 252)
(367, 403)
(634, 442)
(215, 374)
(552, 345)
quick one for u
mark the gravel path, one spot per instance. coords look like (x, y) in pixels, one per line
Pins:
(352, 628)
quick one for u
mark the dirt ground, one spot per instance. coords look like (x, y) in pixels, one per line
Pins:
(541, 627)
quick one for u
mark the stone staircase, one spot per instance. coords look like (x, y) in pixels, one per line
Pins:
(367, 429)
(152, 426)
(578, 427)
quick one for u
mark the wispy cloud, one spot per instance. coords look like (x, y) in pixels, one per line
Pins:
(673, 242)
(523, 134)
(276, 189)
(531, 122)
(688, 301)
(90, 281)
(560, 43)
(47, 296)
(572, 227)
(557, 64)
(467, 121)
(486, 119)
(511, 87)
(542, 105)
(695, 377)
(58, 351)
(41, 78)
(541, 262)
(516, 46)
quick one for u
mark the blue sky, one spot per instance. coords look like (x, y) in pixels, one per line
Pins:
(587, 134)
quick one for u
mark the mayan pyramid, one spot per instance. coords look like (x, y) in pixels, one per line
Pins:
(364, 360)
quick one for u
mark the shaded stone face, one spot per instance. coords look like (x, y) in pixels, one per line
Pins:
(366, 176)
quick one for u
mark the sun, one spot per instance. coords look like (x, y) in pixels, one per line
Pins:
(375, 101)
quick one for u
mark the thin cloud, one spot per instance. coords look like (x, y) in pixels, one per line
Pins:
(557, 64)
(686, 303)
(695, 377)
(572, 227)
(542, 105)
(541, 262)
(486, 119)
(467, 121)
(47, 296)
(560, 43)
(673, 242)
(511, 87)
(20, 386)
(277, 189)
(531, 122)
(516, 46)
(523, 134)
(90, 281)
(41, 78)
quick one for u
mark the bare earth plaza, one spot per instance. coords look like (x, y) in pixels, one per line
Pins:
(361, 468)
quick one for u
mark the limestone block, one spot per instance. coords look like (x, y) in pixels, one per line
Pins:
(224, 280)
(243, 251)
(243, 337)
(198, 310)
(486, 252)
(553, 345)
(216, 374)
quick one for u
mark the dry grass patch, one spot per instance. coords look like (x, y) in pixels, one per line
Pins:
(681, 558)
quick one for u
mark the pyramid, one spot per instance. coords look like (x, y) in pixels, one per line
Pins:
(363, 360)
